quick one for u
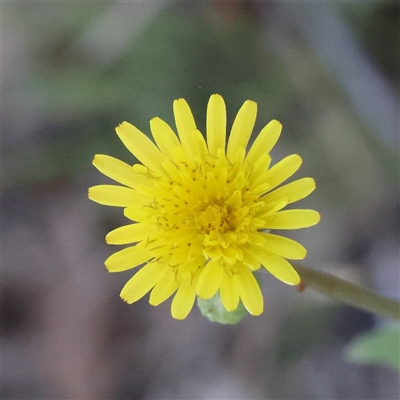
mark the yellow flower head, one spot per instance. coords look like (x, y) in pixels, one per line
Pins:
(202, 211)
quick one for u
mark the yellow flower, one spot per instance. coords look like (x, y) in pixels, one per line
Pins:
(202, 211)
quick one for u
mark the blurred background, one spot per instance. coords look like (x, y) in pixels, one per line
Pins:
(72, 71)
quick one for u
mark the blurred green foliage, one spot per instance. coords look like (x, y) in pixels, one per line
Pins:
(308, 328)
(381, 346)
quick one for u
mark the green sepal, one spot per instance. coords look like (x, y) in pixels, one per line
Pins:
(214, 310)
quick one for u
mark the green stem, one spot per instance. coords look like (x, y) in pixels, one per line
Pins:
(349, 293)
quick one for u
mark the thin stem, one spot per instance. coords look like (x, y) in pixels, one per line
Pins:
(349, 293)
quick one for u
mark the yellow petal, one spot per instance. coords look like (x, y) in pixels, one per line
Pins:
(277, 266)
(209, 280)
(283, 170)
(141, 283)
(164, 288)
(186, 269)
(117, 170)
(178, 255)
(250, 260)
(265, 141)
(127, 258)
(284, 246)
(184, 299)
(165, 137)
(231, 254)
(196, 252)
(185, 125)
(238, 157)
(176, 236)
(229, 293)
(140, 146)
(250, 292)
(131, 233)
(260, 172)
(172, 170)
(216, 124)
(212, 185)
(242, 128)
(292, 219)
(269, 210)
(117, 196)
(199, 144)
(139, 213)
(293, 191)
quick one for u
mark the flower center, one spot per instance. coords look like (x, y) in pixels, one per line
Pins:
(213, 218)
(205, 206)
